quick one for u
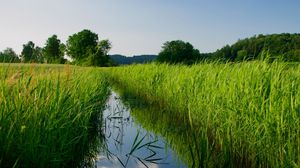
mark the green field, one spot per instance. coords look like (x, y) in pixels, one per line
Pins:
(213, 114)
(243, 114)
(49, 114)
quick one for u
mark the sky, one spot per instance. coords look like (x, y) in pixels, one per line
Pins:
(142, 26)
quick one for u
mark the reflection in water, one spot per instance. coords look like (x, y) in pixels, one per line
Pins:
(130, 145)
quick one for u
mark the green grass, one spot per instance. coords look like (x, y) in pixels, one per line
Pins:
(48, 114)
(245, 114)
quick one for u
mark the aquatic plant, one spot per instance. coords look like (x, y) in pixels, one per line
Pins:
(49, 114)
(248, 113)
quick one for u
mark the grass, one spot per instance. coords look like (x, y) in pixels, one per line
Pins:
(244, 114)
(49, 114)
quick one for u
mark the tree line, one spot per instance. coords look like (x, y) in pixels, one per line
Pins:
(136, 59)
(284, 47)
(84, 48)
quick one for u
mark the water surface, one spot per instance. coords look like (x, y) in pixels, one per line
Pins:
(129, 143)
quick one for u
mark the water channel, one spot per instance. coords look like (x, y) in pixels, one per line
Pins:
(134, 137)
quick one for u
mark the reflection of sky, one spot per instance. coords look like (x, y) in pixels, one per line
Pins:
(116, 127)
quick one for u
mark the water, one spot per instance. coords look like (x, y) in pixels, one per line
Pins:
(129, 144)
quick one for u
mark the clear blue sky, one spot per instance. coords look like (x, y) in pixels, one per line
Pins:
(142, 26)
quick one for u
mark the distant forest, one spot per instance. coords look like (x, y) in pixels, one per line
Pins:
(284, 46)
(139, 59)
(85, 49)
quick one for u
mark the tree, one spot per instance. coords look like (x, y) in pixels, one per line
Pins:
(104, 46)
(62, 48)
(293, 55)
(32, 53)
(178, 52)
(85, 49)
(9, 55)
(38, 56)
(99, 56)
(80, 45)
(27, 52)
(242, 55)
(278, 46)
(53, 50)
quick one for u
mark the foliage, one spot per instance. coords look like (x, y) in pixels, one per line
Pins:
(241, 55)
(48, 114)
(100, 57)
(8, 55)
(80, 43)
(277, 44)
(248, 113)
(54, 50)
(32, 53)
(140, 59)
(38, 56)
(292, 55)
(27, 53)
(104, 46)
(178, 52)
(85, 49)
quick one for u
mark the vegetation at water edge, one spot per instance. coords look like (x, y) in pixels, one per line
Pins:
(49, 114)
(248, 113)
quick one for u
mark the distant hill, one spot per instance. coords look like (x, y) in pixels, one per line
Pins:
(121, 59)
(284, 46)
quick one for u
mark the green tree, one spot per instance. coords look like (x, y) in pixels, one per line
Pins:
(293, 55)
(279, 46)
(242, 55)
(62, 48)
(27, 52)
(80, 45)
(99, 57)
(104, 46)
(9, 55)
(38, 56)
(85, 49)
(178, 52)
(53, 50)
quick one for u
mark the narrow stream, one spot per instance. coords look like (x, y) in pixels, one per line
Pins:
(129, 144)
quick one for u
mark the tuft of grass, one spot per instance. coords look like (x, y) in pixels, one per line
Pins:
(248, 113)
(48, 114)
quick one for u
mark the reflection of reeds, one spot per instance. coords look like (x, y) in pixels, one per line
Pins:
(150, 145)
(249, 111)
(114, 122)
(182, 138)
(137, 145)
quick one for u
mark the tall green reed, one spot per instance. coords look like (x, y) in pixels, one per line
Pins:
(48, 114)
(248, 112)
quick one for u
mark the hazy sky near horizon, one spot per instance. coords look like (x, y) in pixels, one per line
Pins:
(142, 26)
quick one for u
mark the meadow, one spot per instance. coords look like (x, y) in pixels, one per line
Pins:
(49, 114)
(212, 114)
(242, 114)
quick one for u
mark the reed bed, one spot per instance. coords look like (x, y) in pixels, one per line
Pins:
(48, 114)
(243, 115)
